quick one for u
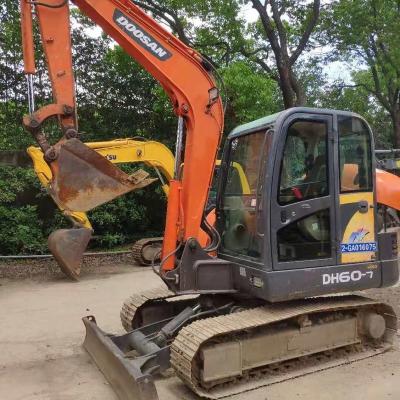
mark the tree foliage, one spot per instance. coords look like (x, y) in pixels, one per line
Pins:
(20, 224)
(282, 33)
(367, 33)
(250, 95)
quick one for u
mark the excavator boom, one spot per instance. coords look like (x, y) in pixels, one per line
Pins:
(185, 76)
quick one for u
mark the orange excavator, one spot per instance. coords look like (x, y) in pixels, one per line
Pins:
(307, 227)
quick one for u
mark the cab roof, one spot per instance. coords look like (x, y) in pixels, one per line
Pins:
(255, 125)
(270, 120)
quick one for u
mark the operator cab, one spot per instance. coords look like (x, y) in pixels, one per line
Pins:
(305, 200)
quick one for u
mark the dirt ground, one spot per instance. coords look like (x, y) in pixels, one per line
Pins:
(41, 333)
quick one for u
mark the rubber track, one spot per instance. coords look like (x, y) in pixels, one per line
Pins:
(188, 342)
(137, 249)
(136, 301)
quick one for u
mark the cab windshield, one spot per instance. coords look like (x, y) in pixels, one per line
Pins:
(240, 195)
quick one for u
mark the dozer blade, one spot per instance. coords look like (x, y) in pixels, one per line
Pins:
(126, 378)
(83, 179)
(67, 247)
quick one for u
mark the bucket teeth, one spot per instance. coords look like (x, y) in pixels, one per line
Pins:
(67, 247)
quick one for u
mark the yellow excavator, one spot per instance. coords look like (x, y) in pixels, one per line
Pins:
(120, 151)
(150, 153)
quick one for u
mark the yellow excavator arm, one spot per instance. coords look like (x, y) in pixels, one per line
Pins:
(119, 151)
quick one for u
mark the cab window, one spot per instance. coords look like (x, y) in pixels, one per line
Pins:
(239, 200)
(354, 155)
(304, 176)
(304, 171)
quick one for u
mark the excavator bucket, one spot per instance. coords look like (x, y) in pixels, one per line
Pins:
(125, 374)
(83, 179)
(67, 247)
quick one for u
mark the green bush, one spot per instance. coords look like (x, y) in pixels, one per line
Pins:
(28, 215)
(20, 225)
(21, 230)
(127, 218)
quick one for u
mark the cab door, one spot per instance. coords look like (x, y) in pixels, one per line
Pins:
(357, 233)
(304, 194)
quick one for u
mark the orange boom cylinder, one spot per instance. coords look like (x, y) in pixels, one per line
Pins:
(171, 225)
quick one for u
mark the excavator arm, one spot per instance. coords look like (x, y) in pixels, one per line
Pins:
(56, 39)
(182, 72)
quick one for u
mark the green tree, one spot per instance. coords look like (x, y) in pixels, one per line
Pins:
(116, 98)
(250, 94)
(12, 83)
(20, 225)
(367, 31)
(357, 99)
(283, 31)
(275, 42)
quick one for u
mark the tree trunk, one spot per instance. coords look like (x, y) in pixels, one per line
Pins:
(299, 90)
(285, 83)
(396, 126)
(292, 91)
